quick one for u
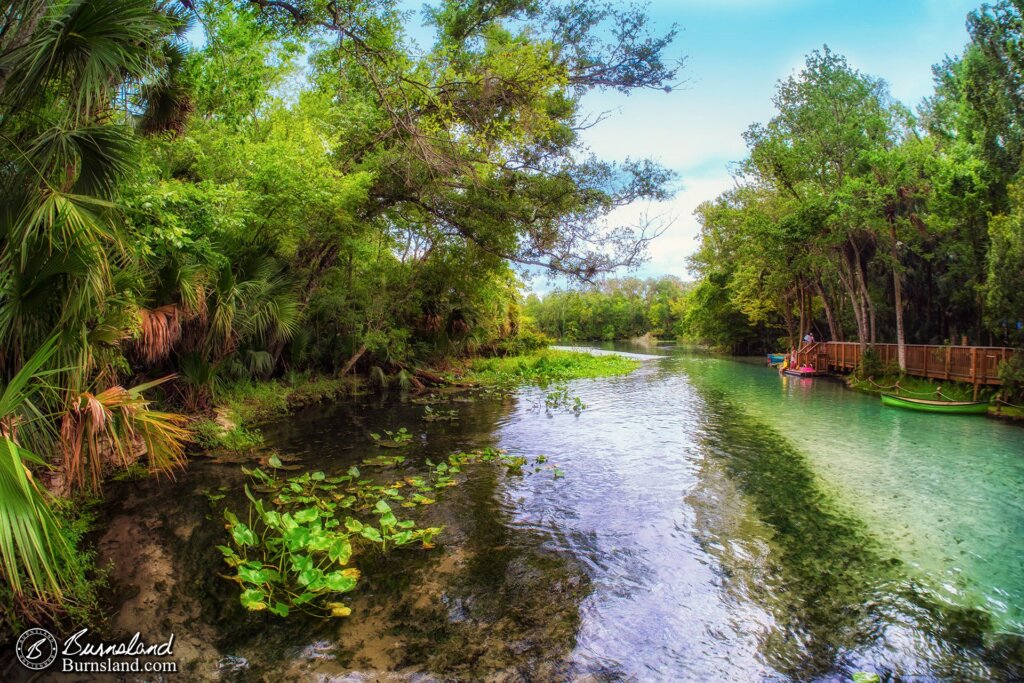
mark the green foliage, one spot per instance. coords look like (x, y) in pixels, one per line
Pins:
(870, 364)
(295, 549)
(1005, 290)
(81, 581)
(915, 387)
(1011, 373)
(849, 212)
(210, 435)
(392, 439)
(293, 552)
(617, 309)
(865, 677)
(546, 367)
(239, 438)
(281, 200)
(526, 341)
(560, 397)
(431, 415)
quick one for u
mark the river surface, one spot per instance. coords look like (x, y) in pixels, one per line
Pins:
(709, 521)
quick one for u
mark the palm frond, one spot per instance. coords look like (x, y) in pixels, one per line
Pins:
(30, 540)
(89, 47)
(87, 159)
(107, 429)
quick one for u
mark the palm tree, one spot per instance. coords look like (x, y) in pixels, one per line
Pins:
(65, 67)
(75, 77)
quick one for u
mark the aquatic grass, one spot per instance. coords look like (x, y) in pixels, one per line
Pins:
(832, 586)
(245, 404)
(546, 367)
(254, 402)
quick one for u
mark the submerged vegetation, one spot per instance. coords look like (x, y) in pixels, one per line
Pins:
(547, 367)
(831, 579)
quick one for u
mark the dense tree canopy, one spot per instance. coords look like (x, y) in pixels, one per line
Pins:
(857, 218)
(302, 189)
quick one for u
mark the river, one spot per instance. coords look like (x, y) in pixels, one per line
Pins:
(710, 520)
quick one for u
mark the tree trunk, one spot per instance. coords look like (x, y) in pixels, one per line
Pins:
(353, 360)
(787, 315)
(803, 317)
(834, 333)
(862, 287)
(897, 291)
(850, 263)
(21, 33)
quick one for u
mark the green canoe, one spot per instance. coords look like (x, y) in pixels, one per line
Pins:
(948, 407)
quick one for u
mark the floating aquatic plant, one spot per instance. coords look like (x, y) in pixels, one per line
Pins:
(431, 415)
(392, 439)
(560, 397)
(296, 546)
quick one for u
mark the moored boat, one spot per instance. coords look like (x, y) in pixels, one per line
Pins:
(804, 371)
(948, 407)
(775, 358)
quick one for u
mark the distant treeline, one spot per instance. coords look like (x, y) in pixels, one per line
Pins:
(616, 309)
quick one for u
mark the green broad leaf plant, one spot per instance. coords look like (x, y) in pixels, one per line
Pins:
(297, 546)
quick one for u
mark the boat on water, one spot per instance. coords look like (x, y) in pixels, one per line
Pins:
(803, 371)
(948, 407)
(775, 358)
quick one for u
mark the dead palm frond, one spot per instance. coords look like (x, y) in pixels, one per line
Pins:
(160, 330)
(112, 428)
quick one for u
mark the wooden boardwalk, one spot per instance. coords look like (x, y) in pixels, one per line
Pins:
(969, 364)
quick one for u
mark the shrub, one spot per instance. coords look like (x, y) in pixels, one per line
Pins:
(527, 341)
(870, 364)
(1011, 373)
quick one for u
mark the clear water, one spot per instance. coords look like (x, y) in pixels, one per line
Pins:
(696, 552)
(715, 522)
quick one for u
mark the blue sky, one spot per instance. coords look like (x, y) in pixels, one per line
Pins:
(737, 50)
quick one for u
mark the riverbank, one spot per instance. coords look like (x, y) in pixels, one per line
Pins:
(241, 408)
(916, 387)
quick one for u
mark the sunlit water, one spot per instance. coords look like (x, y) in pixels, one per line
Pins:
(663, 504)
(715, 522)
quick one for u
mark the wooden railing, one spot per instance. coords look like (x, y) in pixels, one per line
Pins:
(970, 364)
